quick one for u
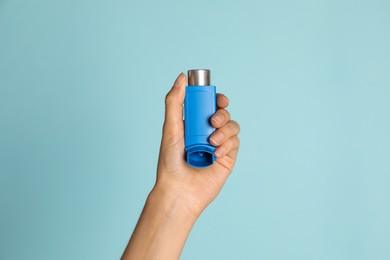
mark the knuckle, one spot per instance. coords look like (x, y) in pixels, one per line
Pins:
(234, 142)
(222, 98)
(227, 114)
(235, 125)
(168, 98)
(237, 140)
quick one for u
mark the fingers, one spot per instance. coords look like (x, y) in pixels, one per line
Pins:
(222, 134)
(227, 147)
(174, 107)
(220, 118)
(222, 101)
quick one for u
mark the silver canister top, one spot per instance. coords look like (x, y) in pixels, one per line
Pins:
(199, 78)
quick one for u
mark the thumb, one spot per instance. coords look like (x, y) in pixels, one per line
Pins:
(173, 125)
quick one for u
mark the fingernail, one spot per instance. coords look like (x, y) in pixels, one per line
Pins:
(218, 119)
(216, 138)
(220, 152)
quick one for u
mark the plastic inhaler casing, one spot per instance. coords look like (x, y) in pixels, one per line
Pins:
(199, 106)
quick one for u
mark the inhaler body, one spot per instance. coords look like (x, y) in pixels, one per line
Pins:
(199, 106)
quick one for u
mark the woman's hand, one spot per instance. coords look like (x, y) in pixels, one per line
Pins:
(196, 187)
(181, 192)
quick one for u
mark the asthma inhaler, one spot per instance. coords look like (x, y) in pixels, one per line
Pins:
(199, 106)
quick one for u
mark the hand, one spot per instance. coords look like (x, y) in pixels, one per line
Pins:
(181, 192)
(195, 187)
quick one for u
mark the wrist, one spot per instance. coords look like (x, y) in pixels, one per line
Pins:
(171, 204)
(162, 229)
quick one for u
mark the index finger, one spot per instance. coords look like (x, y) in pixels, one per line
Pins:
(222, 100)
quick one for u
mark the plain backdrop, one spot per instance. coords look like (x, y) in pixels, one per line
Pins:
(82, 87)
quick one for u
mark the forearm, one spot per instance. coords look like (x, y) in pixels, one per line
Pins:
(162, 229)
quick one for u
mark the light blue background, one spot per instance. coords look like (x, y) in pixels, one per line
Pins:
(82, 87)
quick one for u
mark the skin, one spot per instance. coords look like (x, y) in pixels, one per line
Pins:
(181, 192)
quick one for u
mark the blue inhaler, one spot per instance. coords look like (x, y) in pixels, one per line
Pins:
(199, 106)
